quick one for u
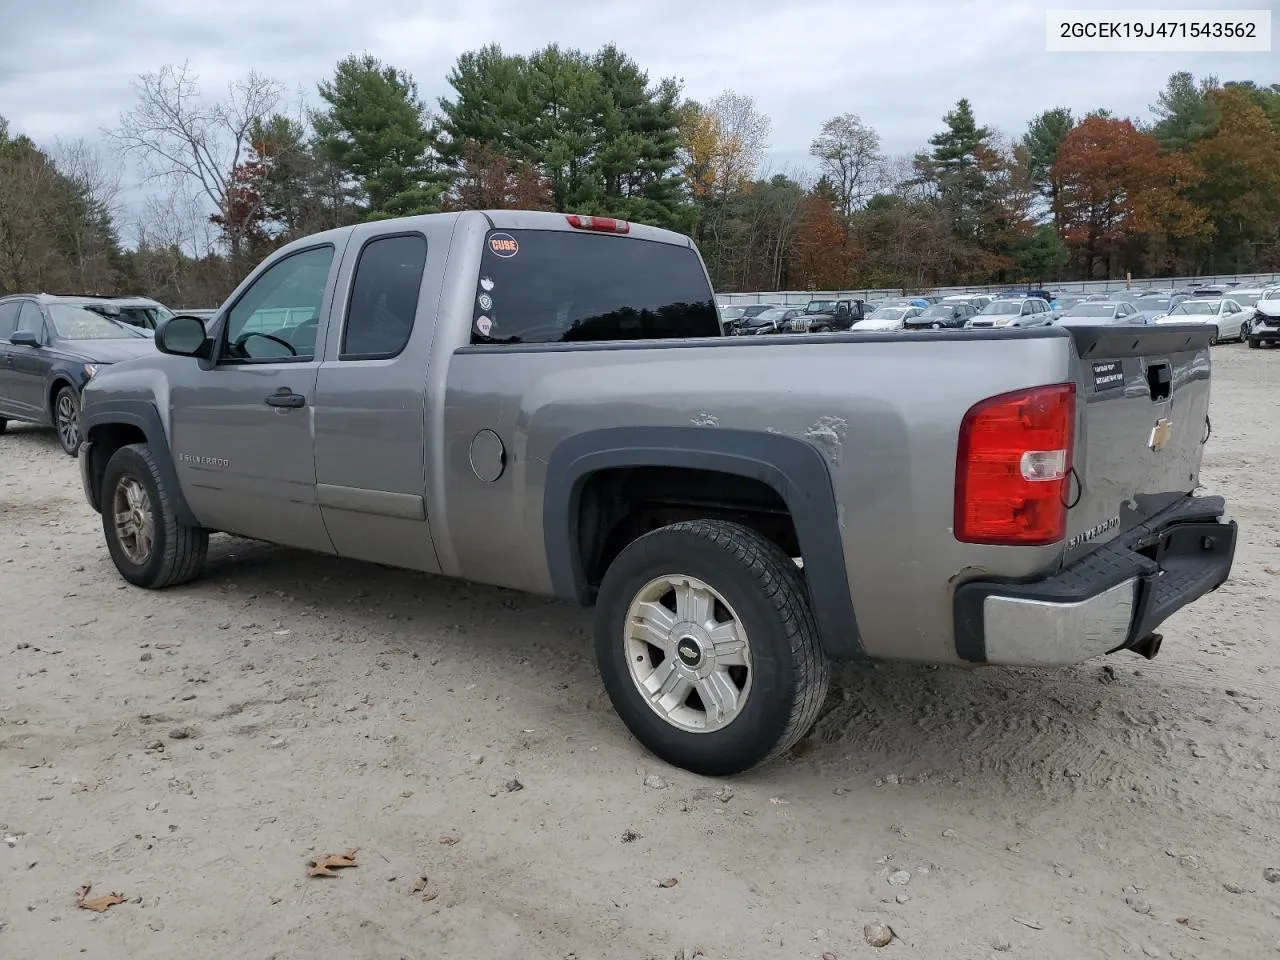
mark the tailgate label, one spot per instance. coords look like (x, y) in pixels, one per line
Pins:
(1107, 374)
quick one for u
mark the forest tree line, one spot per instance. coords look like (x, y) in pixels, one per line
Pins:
(1193, 189)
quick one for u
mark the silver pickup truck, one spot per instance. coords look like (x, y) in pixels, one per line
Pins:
(546, 403)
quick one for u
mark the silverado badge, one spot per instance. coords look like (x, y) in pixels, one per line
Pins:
(1160, 434)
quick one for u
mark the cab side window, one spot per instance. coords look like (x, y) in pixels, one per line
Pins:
(384, 297)
(277, 317)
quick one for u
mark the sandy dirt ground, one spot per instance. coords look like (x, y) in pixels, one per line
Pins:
(191, 748)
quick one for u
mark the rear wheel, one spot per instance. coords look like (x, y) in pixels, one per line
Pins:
(3, 425)
(938, 326)
(707, 646)
(149, 546)
(66, 419)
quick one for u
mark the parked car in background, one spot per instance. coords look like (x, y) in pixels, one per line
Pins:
(1158, 304)
(888, 318)
(1248, 299)
(975, 300)
(1228, 317)
(1025, 312)
(773, 320)
(50, 347)
(940, 316)
(729, 315)
(203, 313)
(1101, 312)
(1264, 328)
(749, 312)
(141, 312)
(823, 316)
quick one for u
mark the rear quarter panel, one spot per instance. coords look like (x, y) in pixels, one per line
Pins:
(883, 410)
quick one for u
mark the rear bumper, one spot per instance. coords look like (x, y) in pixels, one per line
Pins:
(1107, 601)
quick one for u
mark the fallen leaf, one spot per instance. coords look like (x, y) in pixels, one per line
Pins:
(668, 883)
(449, 841)
(325, 865)
(419, 885)
(1028, 923)
(97, 904)
(408, 718)
(427, 898)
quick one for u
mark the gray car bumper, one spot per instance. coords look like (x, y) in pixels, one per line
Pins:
(1110, 600)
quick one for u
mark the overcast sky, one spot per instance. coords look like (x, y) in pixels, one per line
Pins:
(69, 64)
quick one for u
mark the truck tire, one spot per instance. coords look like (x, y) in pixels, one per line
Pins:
(149, 546)
(3, 424)
(712, 622)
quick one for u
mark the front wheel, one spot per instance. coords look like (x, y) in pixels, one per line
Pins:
(708, 648)
(66, 419)
(149, 546)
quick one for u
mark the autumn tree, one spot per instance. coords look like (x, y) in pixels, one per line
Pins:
(724, 144)
(848, 154)
(1117, 185)
(821, 259)
(488, 179)
(180, 135)
(1239, 182)
(375, 129)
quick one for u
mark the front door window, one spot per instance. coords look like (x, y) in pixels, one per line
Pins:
(277, 317)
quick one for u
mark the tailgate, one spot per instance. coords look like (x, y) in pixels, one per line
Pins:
(1141, 422)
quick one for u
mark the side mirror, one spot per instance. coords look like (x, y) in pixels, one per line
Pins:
(24, 338)
(184, 336)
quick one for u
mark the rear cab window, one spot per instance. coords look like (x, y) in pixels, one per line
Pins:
(551, 286)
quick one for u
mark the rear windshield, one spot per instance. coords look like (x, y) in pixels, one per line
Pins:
(550, 286)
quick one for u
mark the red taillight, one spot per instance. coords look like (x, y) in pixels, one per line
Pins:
(1012, 466)
(601, 224)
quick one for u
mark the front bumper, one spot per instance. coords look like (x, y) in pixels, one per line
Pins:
(1261, 334)
(1110, 600)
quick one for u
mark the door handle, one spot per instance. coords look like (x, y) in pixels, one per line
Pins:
(284, 397)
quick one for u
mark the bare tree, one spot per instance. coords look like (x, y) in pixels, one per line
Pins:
(742, 139)
(848, 153)
(184, 137)
(88, 214)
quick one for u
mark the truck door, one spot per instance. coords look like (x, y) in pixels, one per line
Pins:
(241, 430)
(371, 403)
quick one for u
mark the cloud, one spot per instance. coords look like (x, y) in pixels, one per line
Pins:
(899, 66)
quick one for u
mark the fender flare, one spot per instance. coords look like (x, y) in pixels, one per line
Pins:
(143, 415)
(795, 469)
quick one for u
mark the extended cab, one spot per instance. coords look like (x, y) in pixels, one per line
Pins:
(546, 403)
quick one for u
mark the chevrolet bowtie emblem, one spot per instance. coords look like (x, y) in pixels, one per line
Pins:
(1160, 433)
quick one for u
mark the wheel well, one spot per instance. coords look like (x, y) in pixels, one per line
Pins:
(54, 387)
(107, 439)
(617, 506)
